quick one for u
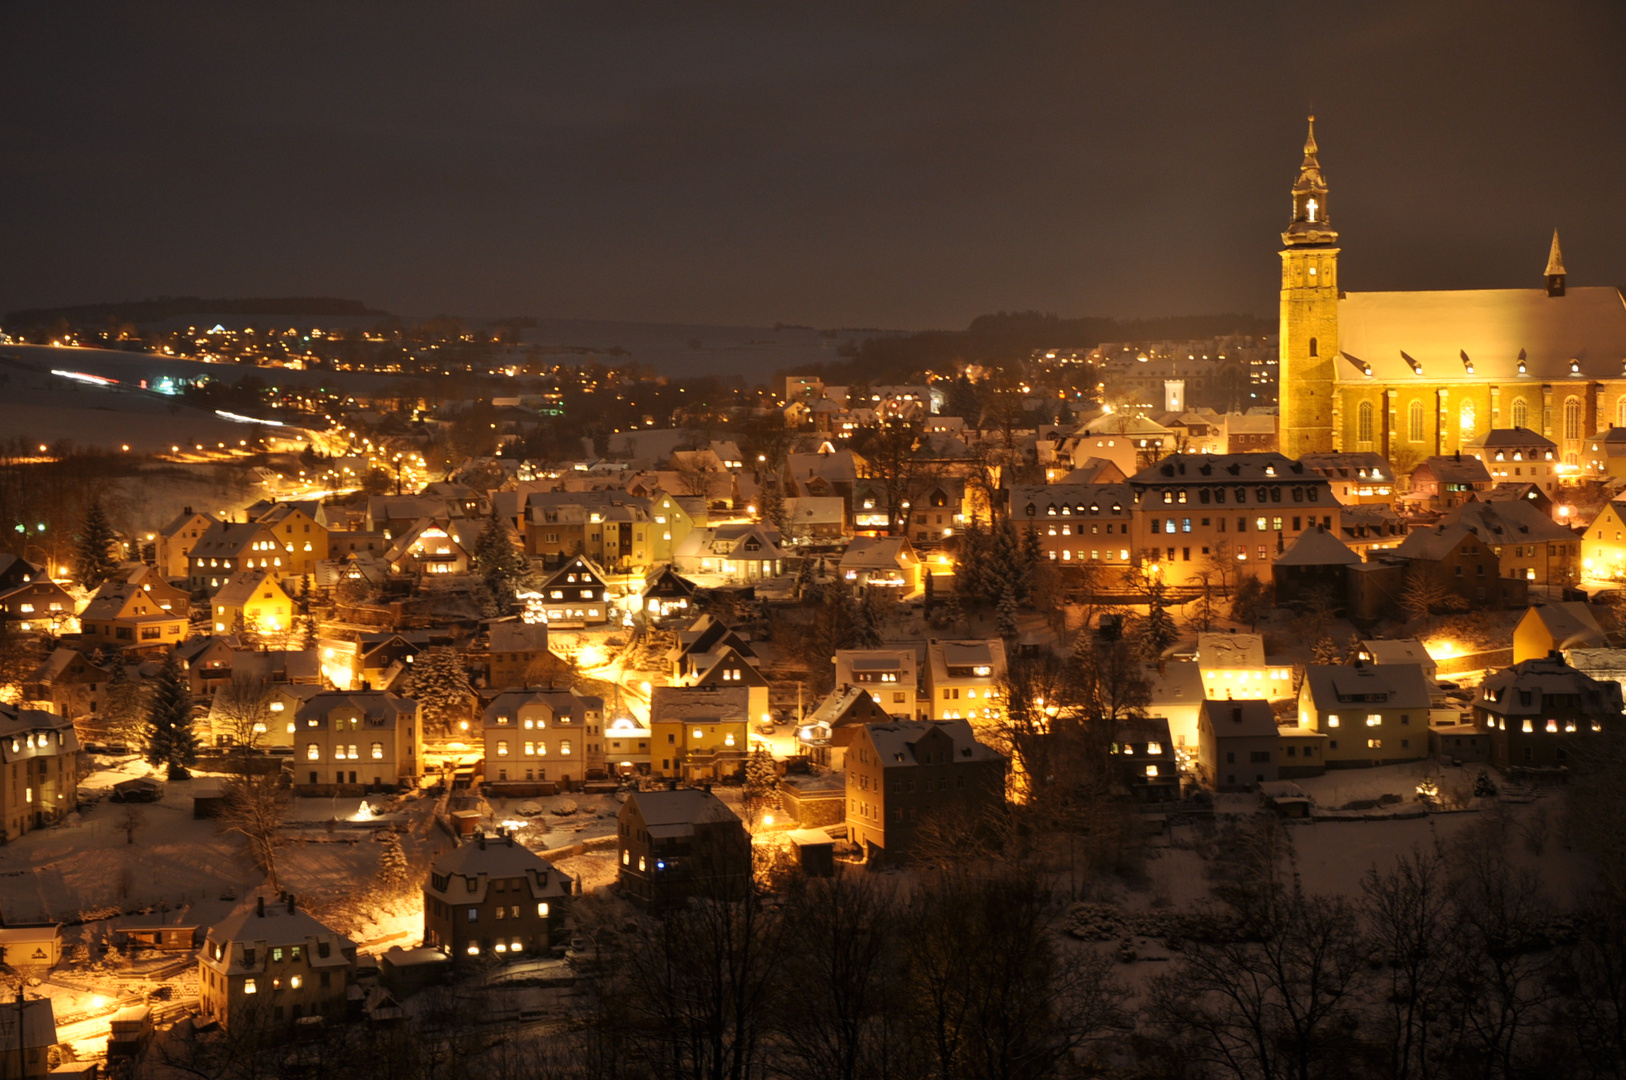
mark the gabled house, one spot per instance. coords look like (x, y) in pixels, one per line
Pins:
(890, 676)
(1143, 755)
(304, 539)
(69, 683)
(124, 616)
(1443, 482)
(1556, 628)
(1234, 666)
(698, 732)
(494, 898)
(1603, 556)
(1518, 455)
(172, 544)
(963, 680)
(1077, 523)
(667, 594)
(207, 661)
(681, 843)
(513, 649)
(882, 562)
(537, 741)
(574, 595)
(252, 600)
(673, 517)
(1312, 565)
(434, 547)
(1543, 713)
(1237, 744)
(39, 770)
(1528, 544)
(825, 733)
(227, 547)
(727, 667)
(1463, 562)
(269, 965)
(37, 606)
(1371, 714)
(902, 774)
(349, 742)
(739, 552)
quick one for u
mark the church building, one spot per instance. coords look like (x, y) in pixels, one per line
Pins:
(1412, 375)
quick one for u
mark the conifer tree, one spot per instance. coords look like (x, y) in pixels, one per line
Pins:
(971, 569)
(501, 564)
(124, 709)
(393, 870)
(761, 781)
(440, 686)
(1007, 611)
(171, 741)
(1325, 651)
(93, 561)
(1157, 634)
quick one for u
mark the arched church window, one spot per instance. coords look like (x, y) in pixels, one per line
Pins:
(1467, 419)
(1521, 414)
(1572, 418)
(1313, 351)
(1415, 422)
(1363, 422)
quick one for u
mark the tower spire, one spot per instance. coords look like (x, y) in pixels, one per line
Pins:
(1555, 269)
(1310, 221)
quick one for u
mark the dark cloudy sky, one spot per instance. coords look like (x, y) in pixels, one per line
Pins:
(870, 164)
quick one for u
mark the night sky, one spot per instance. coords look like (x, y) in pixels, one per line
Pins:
(865, 164)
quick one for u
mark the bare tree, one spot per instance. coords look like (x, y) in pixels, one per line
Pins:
(133, 818)
(1411, 920)
(242, 709)
(254, 809)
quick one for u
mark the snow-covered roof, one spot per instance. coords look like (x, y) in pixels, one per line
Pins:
(685, 806)
(1317, 547)
(1230, 650)
(1244, 718)
(1393, 686)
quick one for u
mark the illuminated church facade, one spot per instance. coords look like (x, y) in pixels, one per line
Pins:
(1415, 374)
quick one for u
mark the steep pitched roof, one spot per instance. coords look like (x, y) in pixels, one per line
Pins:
(1317, 547)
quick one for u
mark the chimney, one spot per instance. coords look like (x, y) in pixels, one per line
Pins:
(259, 906)
(510, 839)
(671, 785)
(480, 838)
(706, 787)
(291, 907)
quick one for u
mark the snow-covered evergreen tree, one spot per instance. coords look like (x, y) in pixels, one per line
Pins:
(440, 685)
(93, 558)
(1326, 651)
(393, 870)
(170, 739)
(496, 559)
(1007, 611)
(1157, 632)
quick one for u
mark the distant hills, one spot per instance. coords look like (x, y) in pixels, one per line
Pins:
(169, 307)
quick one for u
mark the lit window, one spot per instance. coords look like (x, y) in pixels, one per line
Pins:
(502, 748)
(249, 987)
(1154, 748)
(1332, 720)
(295, 981)
(313, 752)
(542, 909)
(1373, 719)
(1151, 770)
(378, 751)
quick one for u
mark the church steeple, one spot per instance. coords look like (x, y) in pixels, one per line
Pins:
(1310, 224)
(1555, 269)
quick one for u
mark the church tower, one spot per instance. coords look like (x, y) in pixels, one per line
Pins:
(1309, 332)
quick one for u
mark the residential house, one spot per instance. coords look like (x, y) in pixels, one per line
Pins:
(573, 595)
(1527, 543)
(1143, 755)
(1234, 666)
(890, 676)
(882, 562)
(1606, 452)
(1371, 714)
(495, 898)
(1078, 523)
(964, 678)
(124, 616)
(1556, 628)
(513, 650)
(1237, 744)
(537, 741)
(667, 594)
(1463, 562)
(1177, 696)
(304, 539)
(1194, 509)
(825, 733)
(69, 683)
(613, 528)
(698, 732)
(681, 843)
(39, 770)
(673, 518)
(626, 747)
(348, 742)
(906, 772)
(172, 544)
(1313, 568)
(738, 552)
(28, 1037)
(1372, 527)
(708, 653)
(815, 517)
(1543, 713)
(228, 546)
(269, 965)
(252, 601)
(1518, 455)
(207, 661)
(1440, 483)
(1399, 651)
(1358, 477)
(39, 605)
(1603, 556)
(435, 547)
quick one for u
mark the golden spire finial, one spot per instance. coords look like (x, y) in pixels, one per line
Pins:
(1555, 258)
(1309, 140)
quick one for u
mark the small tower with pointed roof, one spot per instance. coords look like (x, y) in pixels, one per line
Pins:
(1555, 269)
(1308, 420)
